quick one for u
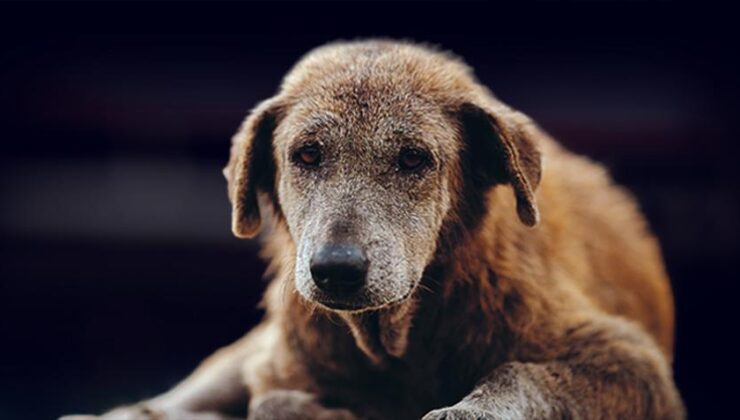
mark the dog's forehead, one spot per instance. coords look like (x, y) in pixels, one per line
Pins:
(370, 116)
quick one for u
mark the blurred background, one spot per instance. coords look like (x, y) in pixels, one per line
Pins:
(118, 270)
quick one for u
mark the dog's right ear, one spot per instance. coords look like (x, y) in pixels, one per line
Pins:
(251, 167)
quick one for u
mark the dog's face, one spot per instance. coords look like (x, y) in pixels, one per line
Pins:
(366, 164)
(364, 187)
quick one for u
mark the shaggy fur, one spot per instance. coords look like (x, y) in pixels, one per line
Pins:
(508, 279)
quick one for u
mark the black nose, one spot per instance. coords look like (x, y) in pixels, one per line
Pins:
(339, 269)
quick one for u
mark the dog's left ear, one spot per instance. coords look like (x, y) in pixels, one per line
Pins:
(251, 167)
(502, 148)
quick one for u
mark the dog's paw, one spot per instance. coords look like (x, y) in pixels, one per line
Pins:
(294, 405)
(458, 413)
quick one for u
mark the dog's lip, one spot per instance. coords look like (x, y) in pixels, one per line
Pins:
(341, 306)
(357, 307)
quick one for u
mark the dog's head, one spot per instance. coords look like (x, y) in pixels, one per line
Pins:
(366, 153)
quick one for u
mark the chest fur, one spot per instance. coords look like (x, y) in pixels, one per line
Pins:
(396, 365)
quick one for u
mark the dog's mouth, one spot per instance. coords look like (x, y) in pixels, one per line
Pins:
(357, 305)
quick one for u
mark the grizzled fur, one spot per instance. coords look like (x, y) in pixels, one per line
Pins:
(507, 279)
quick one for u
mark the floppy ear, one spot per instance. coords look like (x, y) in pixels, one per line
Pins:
(251, 167)
(502, 148)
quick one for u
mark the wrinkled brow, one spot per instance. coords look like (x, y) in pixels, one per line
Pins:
(386, 129)
(318, 122)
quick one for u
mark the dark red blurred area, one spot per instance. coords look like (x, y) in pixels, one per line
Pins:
(119, 272)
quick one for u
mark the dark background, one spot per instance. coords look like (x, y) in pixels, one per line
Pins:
(119, 272)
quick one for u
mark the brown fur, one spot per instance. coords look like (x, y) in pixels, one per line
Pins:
(478, 310)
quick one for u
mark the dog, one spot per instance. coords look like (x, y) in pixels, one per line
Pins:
(434, 254)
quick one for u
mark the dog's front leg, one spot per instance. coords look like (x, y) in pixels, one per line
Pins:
(604, 373)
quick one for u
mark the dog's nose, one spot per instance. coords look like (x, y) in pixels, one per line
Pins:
(339, 269)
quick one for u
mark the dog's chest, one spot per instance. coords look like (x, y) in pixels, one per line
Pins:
(429, 374)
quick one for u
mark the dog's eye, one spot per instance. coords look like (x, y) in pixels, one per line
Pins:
(412, 159)
(308, 155)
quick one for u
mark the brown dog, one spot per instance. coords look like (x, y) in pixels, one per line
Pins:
(434, 254)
